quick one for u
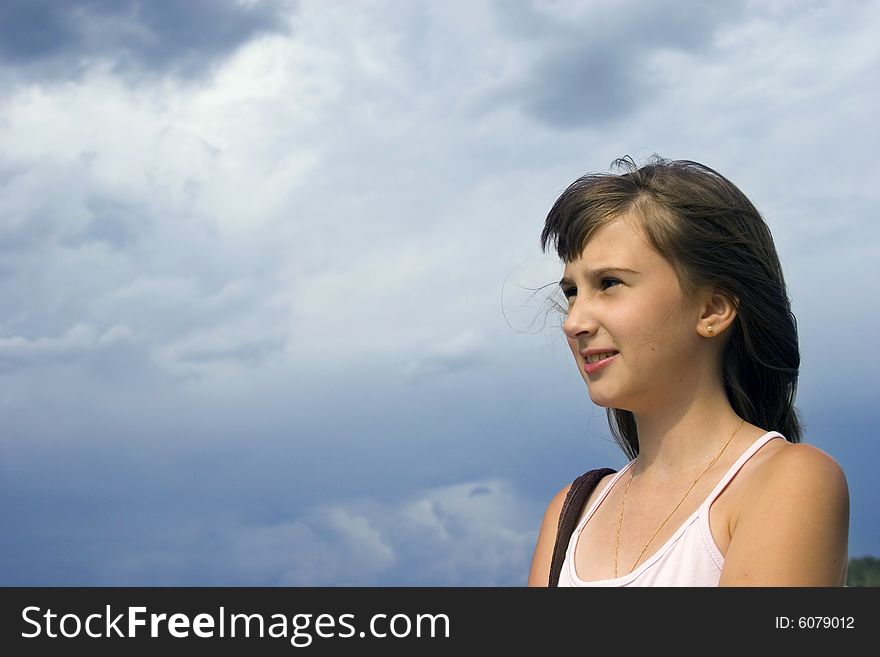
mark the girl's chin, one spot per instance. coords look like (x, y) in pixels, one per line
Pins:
(601, 400)
(605, 400)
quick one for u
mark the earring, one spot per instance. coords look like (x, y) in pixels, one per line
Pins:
(710, 328)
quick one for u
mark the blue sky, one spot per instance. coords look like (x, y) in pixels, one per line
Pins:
(266, 268)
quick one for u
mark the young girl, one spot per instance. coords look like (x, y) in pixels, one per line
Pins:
(680, 324)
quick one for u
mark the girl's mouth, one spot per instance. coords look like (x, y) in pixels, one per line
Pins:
(603, 360)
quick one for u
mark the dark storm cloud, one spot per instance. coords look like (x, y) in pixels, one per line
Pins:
(57, 38)
(593, 68)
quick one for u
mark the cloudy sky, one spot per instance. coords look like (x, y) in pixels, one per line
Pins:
(267, 269)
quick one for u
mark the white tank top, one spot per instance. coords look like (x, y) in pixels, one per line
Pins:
(689, 558)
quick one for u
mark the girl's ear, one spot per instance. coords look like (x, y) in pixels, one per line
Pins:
(717, 313)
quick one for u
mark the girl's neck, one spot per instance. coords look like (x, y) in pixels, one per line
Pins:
(675, 443)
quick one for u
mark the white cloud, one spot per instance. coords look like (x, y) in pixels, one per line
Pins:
(464, 350)
(78, 339)
(469, 534)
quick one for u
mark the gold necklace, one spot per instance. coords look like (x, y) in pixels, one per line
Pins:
(623, 504)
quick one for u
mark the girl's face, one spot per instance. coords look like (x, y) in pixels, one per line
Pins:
(638, 313)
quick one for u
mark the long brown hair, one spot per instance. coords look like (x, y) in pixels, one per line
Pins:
(711, 234)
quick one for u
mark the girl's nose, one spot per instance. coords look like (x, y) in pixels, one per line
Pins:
(578, 320)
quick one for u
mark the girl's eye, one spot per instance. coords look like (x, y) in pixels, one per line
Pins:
(570, 292)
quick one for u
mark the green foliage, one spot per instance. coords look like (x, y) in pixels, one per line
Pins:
(864, 571)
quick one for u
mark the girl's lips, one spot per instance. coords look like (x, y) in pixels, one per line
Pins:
(590, 368)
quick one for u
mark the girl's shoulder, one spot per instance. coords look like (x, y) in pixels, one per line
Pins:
(790, 523)
(782, 470)
(797, 466)
(781, 464)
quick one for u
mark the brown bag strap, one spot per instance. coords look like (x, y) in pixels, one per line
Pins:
(571, 509)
